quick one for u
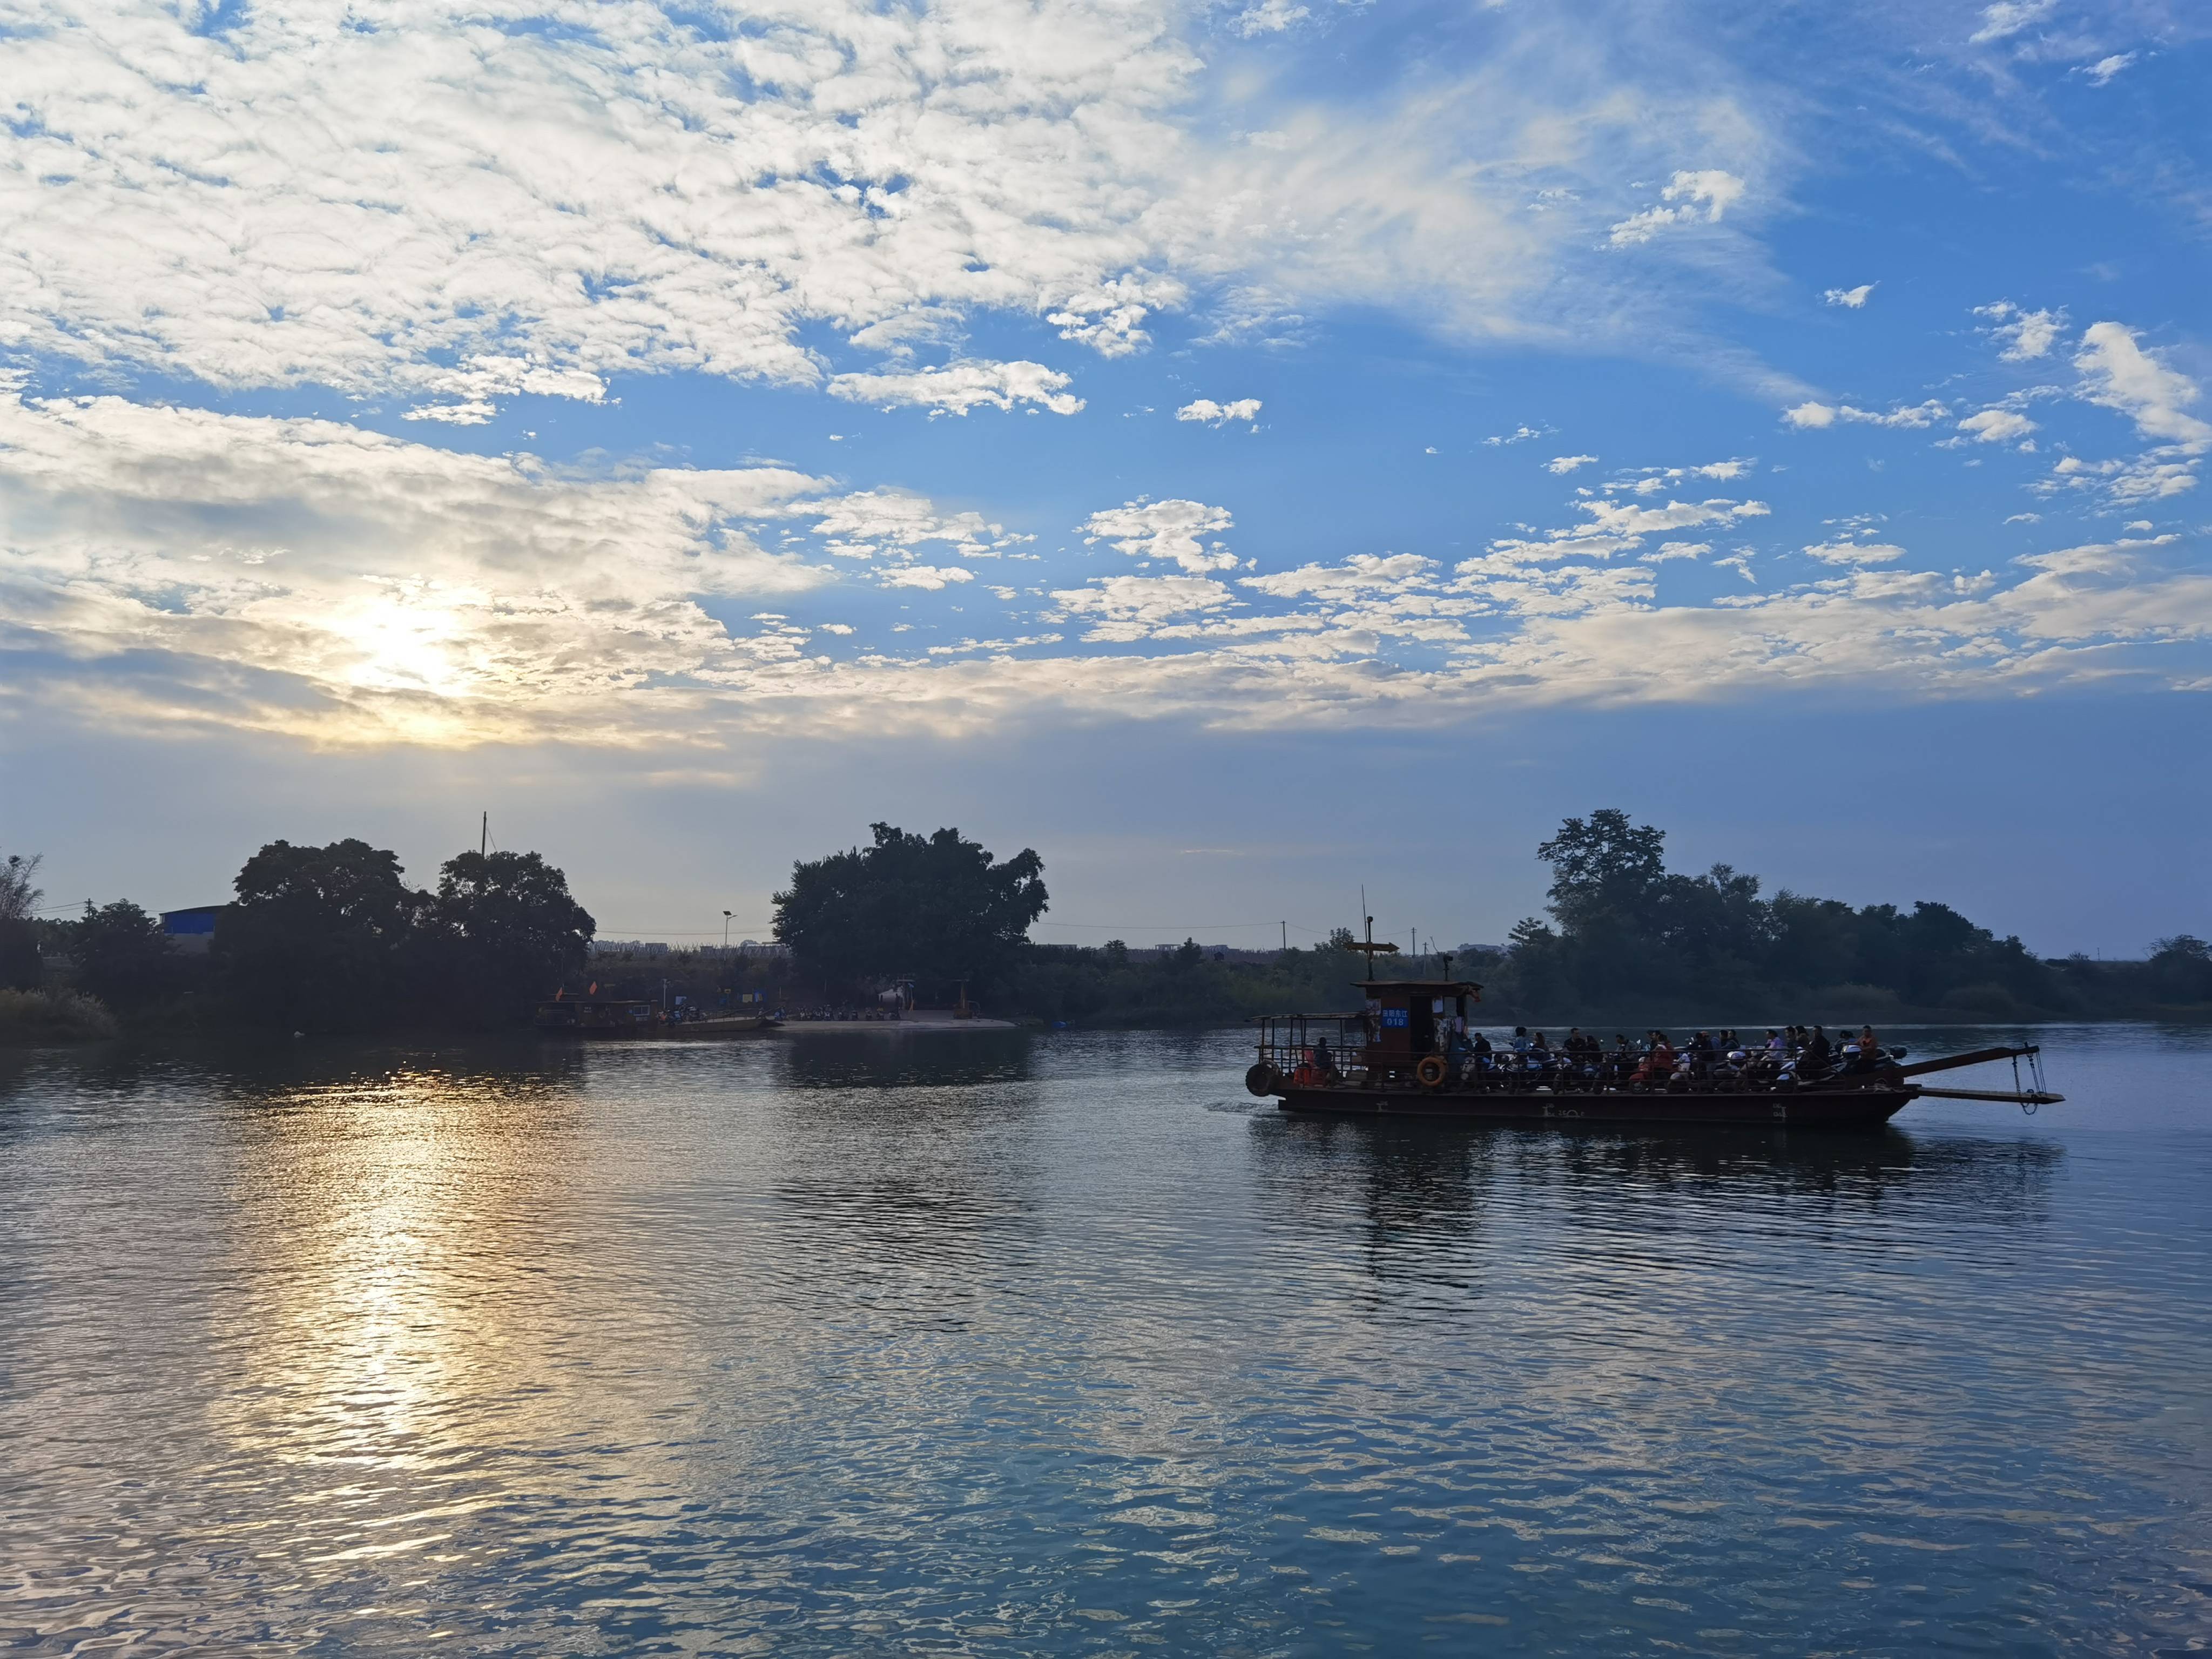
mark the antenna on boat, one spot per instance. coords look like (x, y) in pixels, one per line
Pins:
(1371, 945)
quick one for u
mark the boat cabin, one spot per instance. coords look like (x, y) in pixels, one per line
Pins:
(1407, 1019)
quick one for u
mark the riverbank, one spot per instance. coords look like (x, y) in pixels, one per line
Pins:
(919, 1020)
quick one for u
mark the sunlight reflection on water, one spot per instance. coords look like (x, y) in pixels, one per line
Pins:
(1056, 1344)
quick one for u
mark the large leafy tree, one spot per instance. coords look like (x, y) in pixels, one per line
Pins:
(937, 907)
(1606, 870)
(323, 938)
(122, 955)
(507, 932)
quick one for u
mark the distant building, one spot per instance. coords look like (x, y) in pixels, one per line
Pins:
(628, 947)
(192, 930)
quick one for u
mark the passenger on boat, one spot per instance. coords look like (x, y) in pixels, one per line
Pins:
(1324, 1062)
(1865, 1054)
(1519, 1039)
(1658, 1060)
(1700, 1057)
(1458, 1052)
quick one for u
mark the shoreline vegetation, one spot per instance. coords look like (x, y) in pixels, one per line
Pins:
(332, 939)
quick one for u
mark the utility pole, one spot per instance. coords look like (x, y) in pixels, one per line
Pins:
(1286, 935)
(483, 834)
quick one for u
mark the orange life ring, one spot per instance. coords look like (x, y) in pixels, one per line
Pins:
(1430, 1072)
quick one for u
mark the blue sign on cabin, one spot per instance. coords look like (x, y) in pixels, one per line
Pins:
(1393, 1017)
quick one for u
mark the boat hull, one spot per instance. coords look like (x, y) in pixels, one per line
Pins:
(1833, 1109)
(707, 1030)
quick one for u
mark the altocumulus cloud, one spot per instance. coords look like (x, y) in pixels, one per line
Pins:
(453, 206)
(304, 577)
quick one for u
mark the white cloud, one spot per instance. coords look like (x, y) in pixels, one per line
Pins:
(313, 578)
(1130, 607)
(1562, 465)
(2119, 373)
(1268, 17)
(2101, 72)
(1362, 577)
(1712, 189)
(870, 522)
(2023, 335)
(1996, 425)
(1171, 530)
(1853, 552)
(960, 387)
(2008, 17)
(293, 198)
(1628, 520)
(929, 578)
(1520, 435)
(172, 568)
(1851, 299)
(1213, 413)
(299, 199)
(2163, 473)
(1816, 416)
(1671, 550)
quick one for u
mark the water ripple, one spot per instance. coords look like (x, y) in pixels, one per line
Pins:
(1054, 1344)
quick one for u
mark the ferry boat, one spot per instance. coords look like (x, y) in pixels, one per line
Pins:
(1398, 1057)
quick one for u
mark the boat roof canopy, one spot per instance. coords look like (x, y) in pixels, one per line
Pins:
(1419, 988)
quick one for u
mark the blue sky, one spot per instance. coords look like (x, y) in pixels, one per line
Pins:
(1245, 452)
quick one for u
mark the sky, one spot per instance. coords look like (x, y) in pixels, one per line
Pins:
(1250, 452)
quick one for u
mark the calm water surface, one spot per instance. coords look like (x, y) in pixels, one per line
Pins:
(1056, 1344)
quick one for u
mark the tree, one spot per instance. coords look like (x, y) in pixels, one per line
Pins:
(2181, 969)
(1604, 869)
(506, 933)
(122, 955)
(323, 938)
(18, 933)
(936, 906)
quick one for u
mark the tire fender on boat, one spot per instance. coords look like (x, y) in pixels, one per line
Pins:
(1429, 1073)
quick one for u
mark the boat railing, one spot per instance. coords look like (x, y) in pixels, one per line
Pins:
(1292, 1045)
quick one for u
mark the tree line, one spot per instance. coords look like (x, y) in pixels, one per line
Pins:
(1623, 938)
(1626, 933)
(324, 939)
(333, 938)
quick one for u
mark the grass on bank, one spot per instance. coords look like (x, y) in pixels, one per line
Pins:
(32, 1018)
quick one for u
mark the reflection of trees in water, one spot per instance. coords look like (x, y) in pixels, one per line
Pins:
(895, 1060)
(1426, 1201)
(260, 1071)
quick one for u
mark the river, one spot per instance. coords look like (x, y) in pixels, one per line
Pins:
(1061, 1344)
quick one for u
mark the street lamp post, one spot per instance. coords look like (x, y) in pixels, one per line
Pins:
(725, 932)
